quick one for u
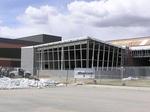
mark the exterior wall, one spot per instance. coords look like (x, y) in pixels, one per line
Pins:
(10, 57)
(27, 59)
(10, 53)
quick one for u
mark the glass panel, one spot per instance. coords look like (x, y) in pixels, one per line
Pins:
(66, 55)
(84, 54)
(78, 55)
(71, 55)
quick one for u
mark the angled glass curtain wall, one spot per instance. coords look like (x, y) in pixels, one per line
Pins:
(87, 54)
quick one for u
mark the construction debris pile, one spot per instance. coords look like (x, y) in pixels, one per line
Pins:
(8, 83)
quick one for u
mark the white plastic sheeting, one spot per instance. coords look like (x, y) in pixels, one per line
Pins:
(129, 78)
(6, 83)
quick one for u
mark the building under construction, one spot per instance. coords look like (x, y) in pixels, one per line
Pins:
(89, 53)
(67, 55)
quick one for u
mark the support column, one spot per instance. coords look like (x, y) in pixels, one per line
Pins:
(58, 58)
(75, 61)
(53, 58)
(108, 57)
(69, 58)
(122, 58)
(41, 59)
(87, 55)
(93, 54)
(48, 61)
(113, 58)
(81, 55)
(117, 57)
(98, 56)
(36, 61)
(62, 58)
(103, 57)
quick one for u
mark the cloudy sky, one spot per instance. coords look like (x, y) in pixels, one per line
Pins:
(102, 19)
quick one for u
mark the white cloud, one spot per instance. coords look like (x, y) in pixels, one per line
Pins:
(104, 19)
(38, 16)
(107, 13)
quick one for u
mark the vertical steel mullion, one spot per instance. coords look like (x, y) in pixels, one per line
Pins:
(53, 58)
(122, 58)
(75, 61)
(62, 58)
(58, 58)
(93, 54)
(41, 59)
(87, 55)
(35, 61)
(103, 57)
(117, 57)
(48, 61)
(81, 55)
(98, 56)
(113, 58)
(108, 57)
(69, 57)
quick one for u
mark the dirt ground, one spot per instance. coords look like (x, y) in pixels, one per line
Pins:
(75, 99)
